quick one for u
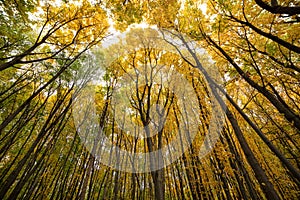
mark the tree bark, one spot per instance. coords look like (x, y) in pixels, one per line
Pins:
(275, 9)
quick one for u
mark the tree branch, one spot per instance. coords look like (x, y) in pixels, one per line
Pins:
(279, 9)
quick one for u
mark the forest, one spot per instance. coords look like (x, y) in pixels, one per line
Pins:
(149, 99)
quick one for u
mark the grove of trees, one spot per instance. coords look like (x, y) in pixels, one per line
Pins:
(50, 49)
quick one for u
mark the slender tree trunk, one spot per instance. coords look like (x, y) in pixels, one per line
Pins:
(260, 175)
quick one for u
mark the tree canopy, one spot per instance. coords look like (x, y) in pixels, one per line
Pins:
(136, 99)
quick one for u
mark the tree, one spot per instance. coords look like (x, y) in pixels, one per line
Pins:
(51, 51)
